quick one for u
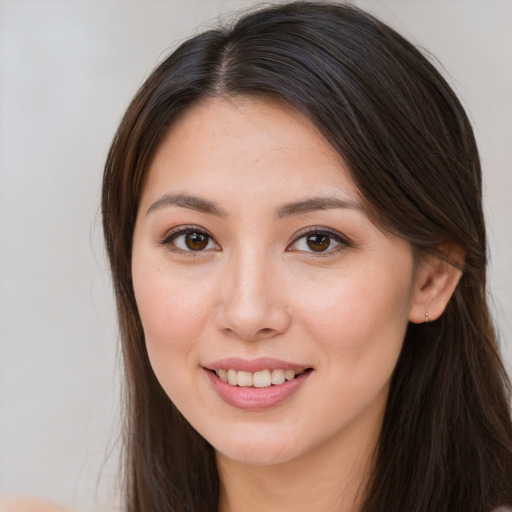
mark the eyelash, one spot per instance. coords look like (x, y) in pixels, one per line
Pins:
(172, 235)
(179, 231)
(331, 234)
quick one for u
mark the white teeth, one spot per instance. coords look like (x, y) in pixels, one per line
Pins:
(262, 379)
(244, 379)
(278, 376)
(289, 374)
(232, 374)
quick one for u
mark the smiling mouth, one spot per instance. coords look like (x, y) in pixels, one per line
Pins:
(261, 379)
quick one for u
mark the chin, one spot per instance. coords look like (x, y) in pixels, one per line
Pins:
(264, 450)
(257, 455)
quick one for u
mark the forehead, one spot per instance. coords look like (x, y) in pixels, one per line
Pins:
(249, 146)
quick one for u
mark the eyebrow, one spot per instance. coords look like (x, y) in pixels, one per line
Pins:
(315, 203)
(187, 201)
(295, 208)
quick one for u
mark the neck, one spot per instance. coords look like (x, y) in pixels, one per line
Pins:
(328, 478)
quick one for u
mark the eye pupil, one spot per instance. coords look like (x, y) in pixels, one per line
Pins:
(196, 241)
(318, 242)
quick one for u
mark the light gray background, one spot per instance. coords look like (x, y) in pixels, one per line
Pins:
(67, 72)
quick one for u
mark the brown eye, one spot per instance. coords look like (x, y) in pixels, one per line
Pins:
(196, 241)
(318, 242)
(322, 242)
(190, 240)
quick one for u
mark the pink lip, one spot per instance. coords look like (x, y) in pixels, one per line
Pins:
(253, 365)
(256, 399)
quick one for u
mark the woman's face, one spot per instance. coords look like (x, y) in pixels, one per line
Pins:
(254, 261)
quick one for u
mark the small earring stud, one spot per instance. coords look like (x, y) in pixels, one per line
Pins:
(426, 318)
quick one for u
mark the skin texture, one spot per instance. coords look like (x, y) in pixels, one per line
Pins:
(28, 504)
(258, 290)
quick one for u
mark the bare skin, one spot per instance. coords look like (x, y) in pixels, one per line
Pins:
(29, 504)
(337, 483)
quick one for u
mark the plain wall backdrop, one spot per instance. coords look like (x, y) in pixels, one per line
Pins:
(67, 72)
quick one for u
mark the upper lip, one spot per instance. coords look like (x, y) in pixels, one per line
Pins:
(253, 365)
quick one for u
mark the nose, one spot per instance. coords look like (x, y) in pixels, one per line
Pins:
(252, 302)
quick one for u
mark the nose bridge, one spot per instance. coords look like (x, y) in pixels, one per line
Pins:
(252, 307)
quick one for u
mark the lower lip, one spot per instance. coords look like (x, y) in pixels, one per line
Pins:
(256, 399)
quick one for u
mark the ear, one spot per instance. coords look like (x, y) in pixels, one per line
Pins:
(436, 279)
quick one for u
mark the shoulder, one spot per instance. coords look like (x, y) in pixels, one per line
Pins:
(26, 504)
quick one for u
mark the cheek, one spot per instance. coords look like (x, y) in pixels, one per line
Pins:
(359, 323)
(357, 302)
(173, 314)
(361, 316)
(172, 309)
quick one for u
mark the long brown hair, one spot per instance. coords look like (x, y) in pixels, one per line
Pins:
(446, 440)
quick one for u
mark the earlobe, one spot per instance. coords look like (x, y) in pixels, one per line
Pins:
(436, 280)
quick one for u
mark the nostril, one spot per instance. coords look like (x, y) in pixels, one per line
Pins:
(265, 333)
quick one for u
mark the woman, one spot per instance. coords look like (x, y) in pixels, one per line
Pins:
(302, 192)
(292, 212)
